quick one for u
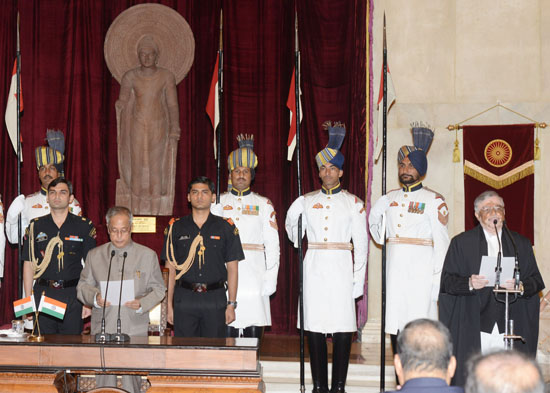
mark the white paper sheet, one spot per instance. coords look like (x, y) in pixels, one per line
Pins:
(114, 291)
(488, 265)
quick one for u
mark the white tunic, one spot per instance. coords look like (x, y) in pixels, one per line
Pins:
(417, 241)
(331, 278)
(254, 216)
(35, 205)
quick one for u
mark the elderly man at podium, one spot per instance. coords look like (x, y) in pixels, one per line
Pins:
(121, 258)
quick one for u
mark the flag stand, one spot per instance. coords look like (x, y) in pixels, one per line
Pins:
(36, 325)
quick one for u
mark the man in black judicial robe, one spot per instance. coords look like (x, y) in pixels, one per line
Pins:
(466, 306)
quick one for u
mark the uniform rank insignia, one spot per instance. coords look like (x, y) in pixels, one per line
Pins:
(230, 221)
(74, 238)
(41, 237)
(37, 206)
(214, 237)
(317, 206)
(235, 231)
(417, 207)
(228, 207)
(251, 210)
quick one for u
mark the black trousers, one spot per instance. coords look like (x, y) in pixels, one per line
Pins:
(71, 322)
(250, 331)
(199, 314)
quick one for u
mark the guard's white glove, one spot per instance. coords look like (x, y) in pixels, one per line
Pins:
(358, 289)
(16, 207)
(268, 288)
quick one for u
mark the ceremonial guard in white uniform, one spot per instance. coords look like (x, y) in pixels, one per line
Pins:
(416, 237)
(254, 216)
(332, 218)
(49, 164)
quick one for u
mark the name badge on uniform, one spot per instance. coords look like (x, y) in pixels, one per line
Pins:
(251, 210)
(417, 207)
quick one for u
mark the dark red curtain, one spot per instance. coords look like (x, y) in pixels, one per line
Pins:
(66, 85)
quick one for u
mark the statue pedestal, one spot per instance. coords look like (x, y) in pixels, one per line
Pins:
(123, 198)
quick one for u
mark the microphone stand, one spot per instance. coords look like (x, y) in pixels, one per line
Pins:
(105, 337)
(509, 335)
(120, 337)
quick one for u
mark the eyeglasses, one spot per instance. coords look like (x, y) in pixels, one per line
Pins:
(489, 209)
(122, 231)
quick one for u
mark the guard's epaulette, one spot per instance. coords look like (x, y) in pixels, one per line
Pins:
(437, 194)
(173, 220)
(229, 220)
(311, 193)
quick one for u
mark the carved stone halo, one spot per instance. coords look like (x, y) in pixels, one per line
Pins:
(169, 29)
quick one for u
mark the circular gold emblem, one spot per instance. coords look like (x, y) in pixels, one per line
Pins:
(498, 153)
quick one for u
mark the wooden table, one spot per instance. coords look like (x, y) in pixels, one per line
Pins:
(171, 364)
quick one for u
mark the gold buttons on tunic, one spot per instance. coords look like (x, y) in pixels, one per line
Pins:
(405, 195)
(326, 228)
(326, 218)
(399, 225)
(328, 207)
(239, 199)
(325, 239)
(402, 205)
(237, 218)
(238, 208)
(396, 235)
(401, 215)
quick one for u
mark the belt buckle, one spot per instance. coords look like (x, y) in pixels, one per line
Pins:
(56, 284)
(201, 287)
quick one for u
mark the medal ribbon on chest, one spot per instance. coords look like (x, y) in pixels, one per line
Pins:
(417, 207)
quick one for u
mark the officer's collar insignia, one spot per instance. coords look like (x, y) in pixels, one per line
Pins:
(184, 237)
(228, 207)
(41, 237)
(333, 190)
(244, 192)
(317, 206)
(412, 187)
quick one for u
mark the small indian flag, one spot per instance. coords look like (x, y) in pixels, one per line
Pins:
(24, 306)
(52, 307)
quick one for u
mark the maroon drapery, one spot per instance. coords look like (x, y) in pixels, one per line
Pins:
(500, 158)
(66, 85)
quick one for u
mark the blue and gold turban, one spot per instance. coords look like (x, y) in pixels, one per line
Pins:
(243, 156)
(422, 139)
(331, 153)
(52, 154)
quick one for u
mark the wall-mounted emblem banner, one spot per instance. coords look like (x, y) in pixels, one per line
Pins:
(501, 158)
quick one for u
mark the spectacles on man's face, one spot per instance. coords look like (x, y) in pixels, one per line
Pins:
(488, 209)
(122, 231)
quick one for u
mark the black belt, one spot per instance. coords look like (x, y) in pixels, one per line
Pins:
(201, 287)
(57, 284)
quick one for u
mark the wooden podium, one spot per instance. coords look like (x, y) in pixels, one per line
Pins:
(171, 364)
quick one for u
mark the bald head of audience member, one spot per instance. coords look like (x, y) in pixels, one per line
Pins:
(424, 350)
(503, 372)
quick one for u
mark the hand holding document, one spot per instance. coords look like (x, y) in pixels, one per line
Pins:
(488, 265)
(114, 291)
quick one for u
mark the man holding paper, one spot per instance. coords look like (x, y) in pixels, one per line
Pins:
(467, 304)
(141, 272)
(142, 277)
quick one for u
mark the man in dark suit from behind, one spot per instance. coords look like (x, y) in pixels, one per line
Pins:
(424, 361)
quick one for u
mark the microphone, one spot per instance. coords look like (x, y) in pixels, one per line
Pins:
(516, 267)
(498, 269)
(105, 337)
(120, 337)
